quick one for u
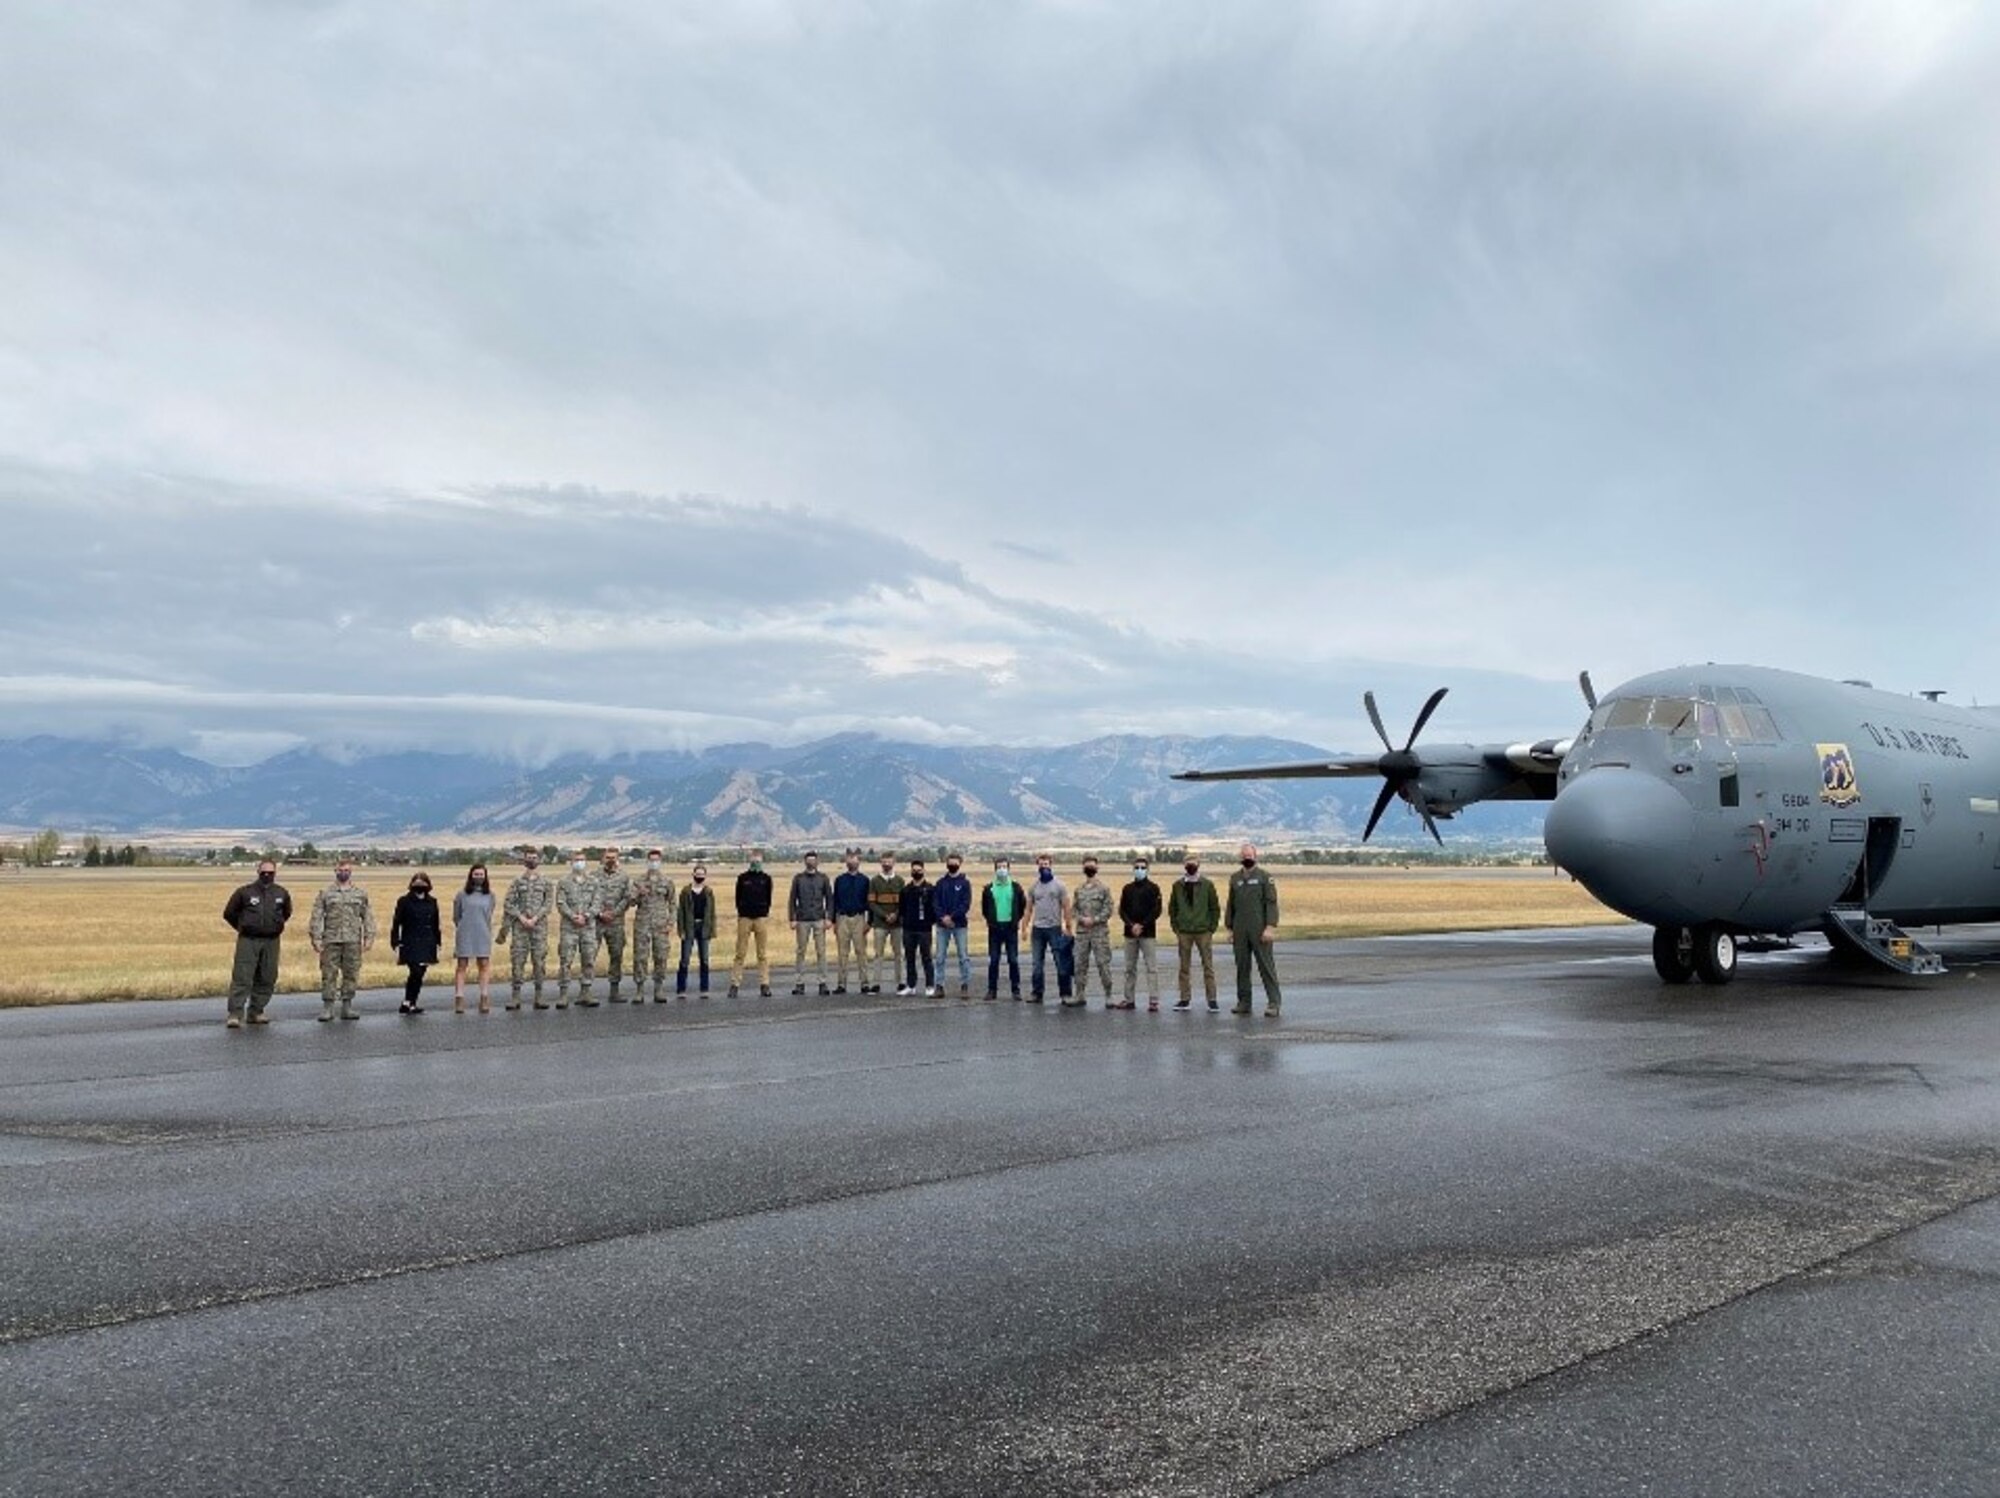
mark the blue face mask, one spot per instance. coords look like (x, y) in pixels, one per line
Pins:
(1139, 874)
(1046, 875)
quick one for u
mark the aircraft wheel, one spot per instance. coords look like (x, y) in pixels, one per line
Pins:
(1714, 955)
(1673, 953)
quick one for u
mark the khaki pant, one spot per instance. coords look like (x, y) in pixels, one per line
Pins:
(1139, 949)
(577, 947)
(1093, 944)
(751, 928)
(813, 932)
(254, 974)
(885, 946)
(339, 971)
(850, 937)
(1247, 949)
(1190, 943)
(652, 949)
(528, 943)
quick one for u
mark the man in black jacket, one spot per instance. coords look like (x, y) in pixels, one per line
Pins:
(1139, 907)
(257, 914)
(918, 907)
(753, 919)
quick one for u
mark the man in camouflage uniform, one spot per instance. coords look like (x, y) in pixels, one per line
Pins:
(652, 928)
(525, 922)
(342, 928)
(614, 898)
(1093, 905)
(576, 909)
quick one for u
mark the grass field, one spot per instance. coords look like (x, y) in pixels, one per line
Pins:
(72, 935)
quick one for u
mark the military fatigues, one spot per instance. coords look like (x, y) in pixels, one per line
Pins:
(1253, 906)
(1092, 906)
(614, 898)
(342, 924)
(530, 898)
(576, 909)
(652, 932)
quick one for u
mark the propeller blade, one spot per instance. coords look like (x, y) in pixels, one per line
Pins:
(1375, 717)
(1425, 716)
(1430, 825)
(1381, 805)
(1589, 691)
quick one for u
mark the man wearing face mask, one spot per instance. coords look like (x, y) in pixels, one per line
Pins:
(1092, 906)
(342, 928)
(652, 927)
(753, 920)
(698, 920)
(524, 921)
(1139, 912)
(850, 923)
(614, 898)
(1252, 919)
(1194, 911)
(576, 910)
(1048, 928)
(953, 902)
(257, 914)
(809, 908)
(885, 919)
(1005, 905)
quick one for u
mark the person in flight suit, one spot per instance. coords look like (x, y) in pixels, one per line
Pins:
(257, 913)
(1252, 918)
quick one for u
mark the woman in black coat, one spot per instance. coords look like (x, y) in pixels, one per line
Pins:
(416, 932)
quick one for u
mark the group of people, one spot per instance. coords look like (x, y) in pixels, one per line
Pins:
(882, 924)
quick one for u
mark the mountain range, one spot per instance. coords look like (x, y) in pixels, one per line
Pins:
(847, 786)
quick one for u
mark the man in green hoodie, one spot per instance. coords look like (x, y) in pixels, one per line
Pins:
(1003, 903)
(1194, 911)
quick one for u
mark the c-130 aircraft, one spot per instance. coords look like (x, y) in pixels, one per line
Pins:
(1729, 807)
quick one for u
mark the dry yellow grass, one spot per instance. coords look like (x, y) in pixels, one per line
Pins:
(68, 935)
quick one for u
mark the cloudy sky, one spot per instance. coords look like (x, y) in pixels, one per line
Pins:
(644, 372)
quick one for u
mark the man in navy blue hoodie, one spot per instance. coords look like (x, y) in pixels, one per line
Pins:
(953, 901)
(850, 922)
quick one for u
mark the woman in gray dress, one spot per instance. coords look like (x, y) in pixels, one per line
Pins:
(472, 938)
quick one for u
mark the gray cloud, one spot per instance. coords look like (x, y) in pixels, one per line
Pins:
(1485, 344)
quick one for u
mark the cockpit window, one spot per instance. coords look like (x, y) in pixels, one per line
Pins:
(1733, 715)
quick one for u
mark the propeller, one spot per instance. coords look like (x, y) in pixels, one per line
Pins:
(1589, 691)
(1400, 767)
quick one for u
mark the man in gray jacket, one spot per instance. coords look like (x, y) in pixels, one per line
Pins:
(810, 910)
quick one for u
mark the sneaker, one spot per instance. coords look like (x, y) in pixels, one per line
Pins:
(839, 990)
(994, 994)
(732, 991)
(1033, 998)
(1270, 1011)
(1213, 1006)
(1152, 1006)
(416, 1009)
(798, 990)
(763, 990)
(1073, 1003)
(1126, 1004)
(934, 993)
(822, 990)
(232, 1023)
(903, 990)
(1184, 1004)
(260, 1018)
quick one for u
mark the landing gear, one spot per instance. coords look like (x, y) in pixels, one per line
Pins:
(1714, 956)
(1673, 953)
(1684, 952)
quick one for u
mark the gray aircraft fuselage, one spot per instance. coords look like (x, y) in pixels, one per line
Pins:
(1754, 801)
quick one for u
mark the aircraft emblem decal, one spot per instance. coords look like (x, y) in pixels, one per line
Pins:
(1837, 785)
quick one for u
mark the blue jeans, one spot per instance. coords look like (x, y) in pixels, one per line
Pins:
(1043, 939)
(1003, 939)
(688, 944)
(946, 936)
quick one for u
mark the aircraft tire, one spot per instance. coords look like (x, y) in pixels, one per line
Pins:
(1714, 955)
(1673, 953)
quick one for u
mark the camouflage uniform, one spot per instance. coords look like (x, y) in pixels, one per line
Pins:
(652, 932)
(529, 898)
(576, 907)
(342, 924)
(1093, 907)
(614, 898)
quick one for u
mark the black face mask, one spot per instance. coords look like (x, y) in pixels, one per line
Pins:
(1194, 868)
(1090, 871)
(420, 889)
(264, 878)
(951, 868)
(1249, 863)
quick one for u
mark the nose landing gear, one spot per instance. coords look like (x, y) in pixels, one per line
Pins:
(1684, 952)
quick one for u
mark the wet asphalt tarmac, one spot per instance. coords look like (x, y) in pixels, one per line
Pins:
(1479, 1215)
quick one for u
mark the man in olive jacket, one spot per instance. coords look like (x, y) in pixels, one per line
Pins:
(1252, 919)
(1194, 910)
(257, 914)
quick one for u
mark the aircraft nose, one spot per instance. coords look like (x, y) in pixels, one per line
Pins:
(1624, 834)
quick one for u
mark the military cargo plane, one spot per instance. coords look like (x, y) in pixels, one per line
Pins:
(1730, 807)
